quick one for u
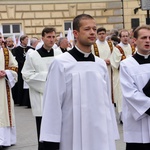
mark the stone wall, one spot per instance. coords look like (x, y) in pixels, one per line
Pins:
(129, 6)
(34, 15)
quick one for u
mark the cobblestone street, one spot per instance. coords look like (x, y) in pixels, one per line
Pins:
(26, 131)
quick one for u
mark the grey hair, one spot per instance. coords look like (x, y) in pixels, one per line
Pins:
(10, 37)
(33, 40)
(60, 40)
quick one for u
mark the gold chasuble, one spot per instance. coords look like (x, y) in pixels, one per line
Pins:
(6, 57)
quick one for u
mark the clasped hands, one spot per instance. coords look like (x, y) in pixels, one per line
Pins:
(2, 73)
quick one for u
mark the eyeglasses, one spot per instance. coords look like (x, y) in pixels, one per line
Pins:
(125, 36)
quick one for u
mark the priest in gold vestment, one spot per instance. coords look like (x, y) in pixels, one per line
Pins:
(8, 78)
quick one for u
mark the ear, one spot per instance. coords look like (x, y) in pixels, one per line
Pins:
(134, 40)
(75, 32)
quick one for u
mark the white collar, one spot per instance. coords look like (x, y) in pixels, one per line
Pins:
(22, 46)
(85, 54)
(145, 56)
(101, 42)
(125, 45)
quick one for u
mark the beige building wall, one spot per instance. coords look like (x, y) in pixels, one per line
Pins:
(34, 15)
(129, 13)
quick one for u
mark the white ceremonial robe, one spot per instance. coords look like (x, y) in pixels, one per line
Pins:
(136, 123)
(115, 60)
(7, 133)
(34, 73)
(104, 52)
(58, 48)
(78, 111)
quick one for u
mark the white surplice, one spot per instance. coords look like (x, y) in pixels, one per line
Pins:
(115, 60)
(7, 133)
(136, 123)
(34, 73)
(78, 111)
(104, 52)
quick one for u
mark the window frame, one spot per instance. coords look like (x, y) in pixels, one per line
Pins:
(66, 31)
(11, 34)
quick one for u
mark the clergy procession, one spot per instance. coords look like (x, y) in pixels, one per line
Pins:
(79, 88)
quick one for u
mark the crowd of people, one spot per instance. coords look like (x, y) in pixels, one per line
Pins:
(73, 90)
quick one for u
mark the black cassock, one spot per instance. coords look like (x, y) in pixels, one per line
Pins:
(20, 95)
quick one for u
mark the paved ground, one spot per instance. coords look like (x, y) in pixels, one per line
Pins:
(26, 131)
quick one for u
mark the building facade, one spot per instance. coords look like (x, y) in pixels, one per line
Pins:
(30, 16)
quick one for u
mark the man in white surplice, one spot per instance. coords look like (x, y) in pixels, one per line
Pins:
(35, 71)
(8, 78)
(103, 49)
(122, 51)
(135, 83)
(78, 113)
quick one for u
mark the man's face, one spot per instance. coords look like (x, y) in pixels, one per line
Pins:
(9, 42)
(143, 41)
(49, 40)
(25, 41)
(64, 43)
(124, 37)
(86, 36)
(101, 36)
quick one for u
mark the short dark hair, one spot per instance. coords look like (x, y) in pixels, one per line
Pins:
(77, 20)
(136, 32)
(101, 29)
(48, 30)
(23, 37)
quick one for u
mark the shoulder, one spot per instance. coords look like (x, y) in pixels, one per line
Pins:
(99, 60)
(17, 47)
(39, 45)
(32, 53)
(59, 61)
(57, 51)
(29, 47)
(130, 61)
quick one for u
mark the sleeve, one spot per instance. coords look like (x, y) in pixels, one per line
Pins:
(11, 71)
(137, 102)
(54, 94)
(146, 89)
(11, 78)
(112, 111)
(115, 58)
(51, 146)
(34, 78)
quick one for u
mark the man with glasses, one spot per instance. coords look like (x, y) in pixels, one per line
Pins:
(10, 43)
(122, 51)
(103, 49)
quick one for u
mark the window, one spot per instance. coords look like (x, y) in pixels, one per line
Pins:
(16, 28)
(68, 28)
(135, 22)
(11, 30)
(67, 25)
